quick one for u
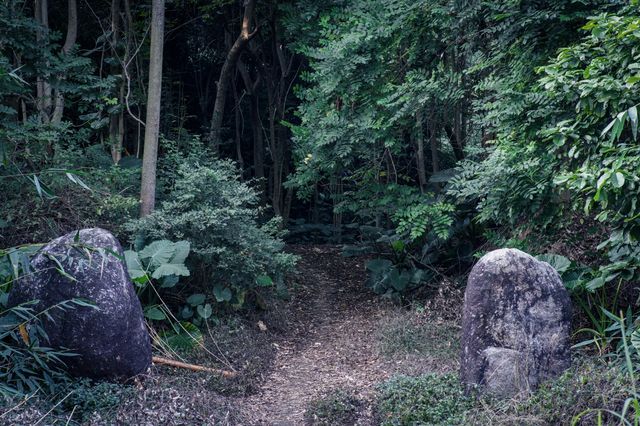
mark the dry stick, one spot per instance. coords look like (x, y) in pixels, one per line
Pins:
(18, 405)
(165, 361)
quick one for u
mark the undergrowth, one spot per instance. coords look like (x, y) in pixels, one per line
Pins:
(589, 393)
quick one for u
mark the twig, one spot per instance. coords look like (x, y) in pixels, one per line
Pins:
(21, 403)
(165, 361)
(71, 415)
(52, 408)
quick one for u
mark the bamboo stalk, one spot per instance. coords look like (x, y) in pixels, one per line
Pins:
(172, 363)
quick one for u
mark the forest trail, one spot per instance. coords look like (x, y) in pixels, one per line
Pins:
(332, 344)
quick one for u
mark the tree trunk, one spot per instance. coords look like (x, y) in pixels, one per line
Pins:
(115, 120)
(433, 140)
(152, 126)
(455, 143)
(258, 142)
(43, 88)
(225, 74)
(238, 128)
(422, 173)
(70, 41)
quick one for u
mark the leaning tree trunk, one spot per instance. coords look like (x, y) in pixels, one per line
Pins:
(152, 126)
(227, 69)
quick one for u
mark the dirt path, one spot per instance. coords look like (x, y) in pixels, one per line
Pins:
(332, 345)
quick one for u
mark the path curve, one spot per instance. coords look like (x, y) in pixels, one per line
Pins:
(333, 344)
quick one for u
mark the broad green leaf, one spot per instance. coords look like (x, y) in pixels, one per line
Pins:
(196, 299)
(182, 249)
(154, 313)
(157, 253)
(617, 179)
(264, 281)
(602, 180)
(169, 281)
(609, 127)
(595, 284)
(205, 311)
(559, 263)
(133, 265)
(379, 265)
(168, 269)
(398, 246)
(222, 294)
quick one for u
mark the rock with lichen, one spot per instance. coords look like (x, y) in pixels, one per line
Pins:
(516, 324)
(110, 338)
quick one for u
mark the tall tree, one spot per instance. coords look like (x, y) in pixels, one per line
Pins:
(227, 70)
(70, 41)
(152, 126)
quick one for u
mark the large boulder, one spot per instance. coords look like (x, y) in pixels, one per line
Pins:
(111, 340)
(516, 324)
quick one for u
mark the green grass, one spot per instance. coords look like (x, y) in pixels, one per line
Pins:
(408, 333)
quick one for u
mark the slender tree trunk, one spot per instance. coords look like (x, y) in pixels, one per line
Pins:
(43, 88)
(115, 124)
(422, 173)
(238, 128)
(455, 143)
(276, 172)
(70, 41)
(227, 68)
(433, 141)
(258, 142)
(152, 126)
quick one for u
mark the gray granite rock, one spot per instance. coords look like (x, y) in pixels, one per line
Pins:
(516, 324)
(112, 341)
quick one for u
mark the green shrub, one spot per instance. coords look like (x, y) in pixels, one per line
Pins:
(339, 407)
(231, 253)
(426, 400)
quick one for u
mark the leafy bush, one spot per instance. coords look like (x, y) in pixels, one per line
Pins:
(231, 254)
(425, 400)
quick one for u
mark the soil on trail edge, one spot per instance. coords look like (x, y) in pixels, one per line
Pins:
(332, 344)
